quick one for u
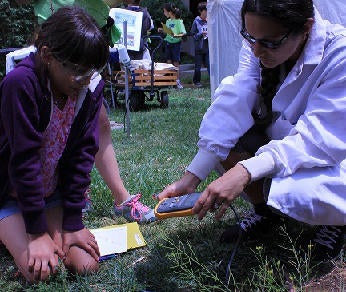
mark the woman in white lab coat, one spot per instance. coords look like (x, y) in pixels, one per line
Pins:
(277, 128)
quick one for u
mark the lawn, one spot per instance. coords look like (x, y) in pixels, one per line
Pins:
(182, 254)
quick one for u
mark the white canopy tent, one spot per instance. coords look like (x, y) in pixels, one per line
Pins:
(225, 41)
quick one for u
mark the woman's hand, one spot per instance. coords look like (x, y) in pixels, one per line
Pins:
(84, 239)
(221, 192)
(187, 184)
(43, 255)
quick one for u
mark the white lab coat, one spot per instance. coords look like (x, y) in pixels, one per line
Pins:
(306, 157)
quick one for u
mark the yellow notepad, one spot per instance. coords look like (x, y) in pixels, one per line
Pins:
(135, 238)
(115, 239)
(167, 30)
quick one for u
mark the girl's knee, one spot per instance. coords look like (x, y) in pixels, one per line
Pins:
(83, 267)
(80, 262)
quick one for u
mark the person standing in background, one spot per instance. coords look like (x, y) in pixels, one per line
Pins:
(200, 36)
(173, 40)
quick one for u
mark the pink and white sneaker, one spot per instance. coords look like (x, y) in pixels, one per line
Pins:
(133, 210)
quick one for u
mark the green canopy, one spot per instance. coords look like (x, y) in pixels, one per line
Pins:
(96, 8)
(100, 11)
(43, 8)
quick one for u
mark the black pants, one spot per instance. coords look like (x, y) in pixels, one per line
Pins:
(252, 140)
(201, 57)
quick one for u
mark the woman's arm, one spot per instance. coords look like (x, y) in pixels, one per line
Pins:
(228, 117)
(319, 137)
(226, 120)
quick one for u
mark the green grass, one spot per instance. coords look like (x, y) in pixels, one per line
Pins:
(182, 254)
(186, 79)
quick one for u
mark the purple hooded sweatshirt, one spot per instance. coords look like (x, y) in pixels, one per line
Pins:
(25, 109)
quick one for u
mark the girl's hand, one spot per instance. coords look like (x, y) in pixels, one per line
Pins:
(84, 239)
(187, 184)
(43, 255)
(221, 192)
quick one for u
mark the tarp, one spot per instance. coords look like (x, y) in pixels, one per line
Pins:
(225, 41)
(96, 8)
(43, 9)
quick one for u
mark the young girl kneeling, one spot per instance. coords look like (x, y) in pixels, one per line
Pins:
(49, 107)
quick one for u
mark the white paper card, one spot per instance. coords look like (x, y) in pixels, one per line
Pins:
(111, 240)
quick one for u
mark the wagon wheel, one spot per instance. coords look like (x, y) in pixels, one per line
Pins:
(137, 100)
(164, 99)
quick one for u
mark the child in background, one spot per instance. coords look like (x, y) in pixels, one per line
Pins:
(173, 42)
(200, 35)
(50, 106)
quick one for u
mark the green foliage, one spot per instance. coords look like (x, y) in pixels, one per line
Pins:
(17, 27)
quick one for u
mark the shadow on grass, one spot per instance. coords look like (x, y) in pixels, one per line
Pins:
(162, 270)
(190, 257)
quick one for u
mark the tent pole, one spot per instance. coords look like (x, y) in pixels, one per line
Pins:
(127, 101)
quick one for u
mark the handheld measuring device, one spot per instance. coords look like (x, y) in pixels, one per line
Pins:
(179, 206)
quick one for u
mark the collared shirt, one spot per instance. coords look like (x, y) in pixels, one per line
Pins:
(310, 130)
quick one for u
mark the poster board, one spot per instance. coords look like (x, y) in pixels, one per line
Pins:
(134, 26)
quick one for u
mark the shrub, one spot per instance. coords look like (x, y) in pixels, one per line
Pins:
(17, 26)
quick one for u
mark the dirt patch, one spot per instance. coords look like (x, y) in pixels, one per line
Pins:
(333, 281)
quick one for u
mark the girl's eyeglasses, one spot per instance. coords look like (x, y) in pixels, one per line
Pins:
(79, 73)
(264, 43)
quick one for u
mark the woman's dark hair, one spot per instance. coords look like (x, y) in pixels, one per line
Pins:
(73, 35)
(291, 14)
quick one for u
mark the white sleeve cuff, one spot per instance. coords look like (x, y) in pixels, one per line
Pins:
(259, 166)
(203, 163)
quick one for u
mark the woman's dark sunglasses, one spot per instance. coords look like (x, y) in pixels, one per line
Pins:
(264, 43)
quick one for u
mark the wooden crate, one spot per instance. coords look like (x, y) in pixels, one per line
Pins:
(142, 78)
(161, 77)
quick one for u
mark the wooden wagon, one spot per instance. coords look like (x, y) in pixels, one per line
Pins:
(145, 85)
